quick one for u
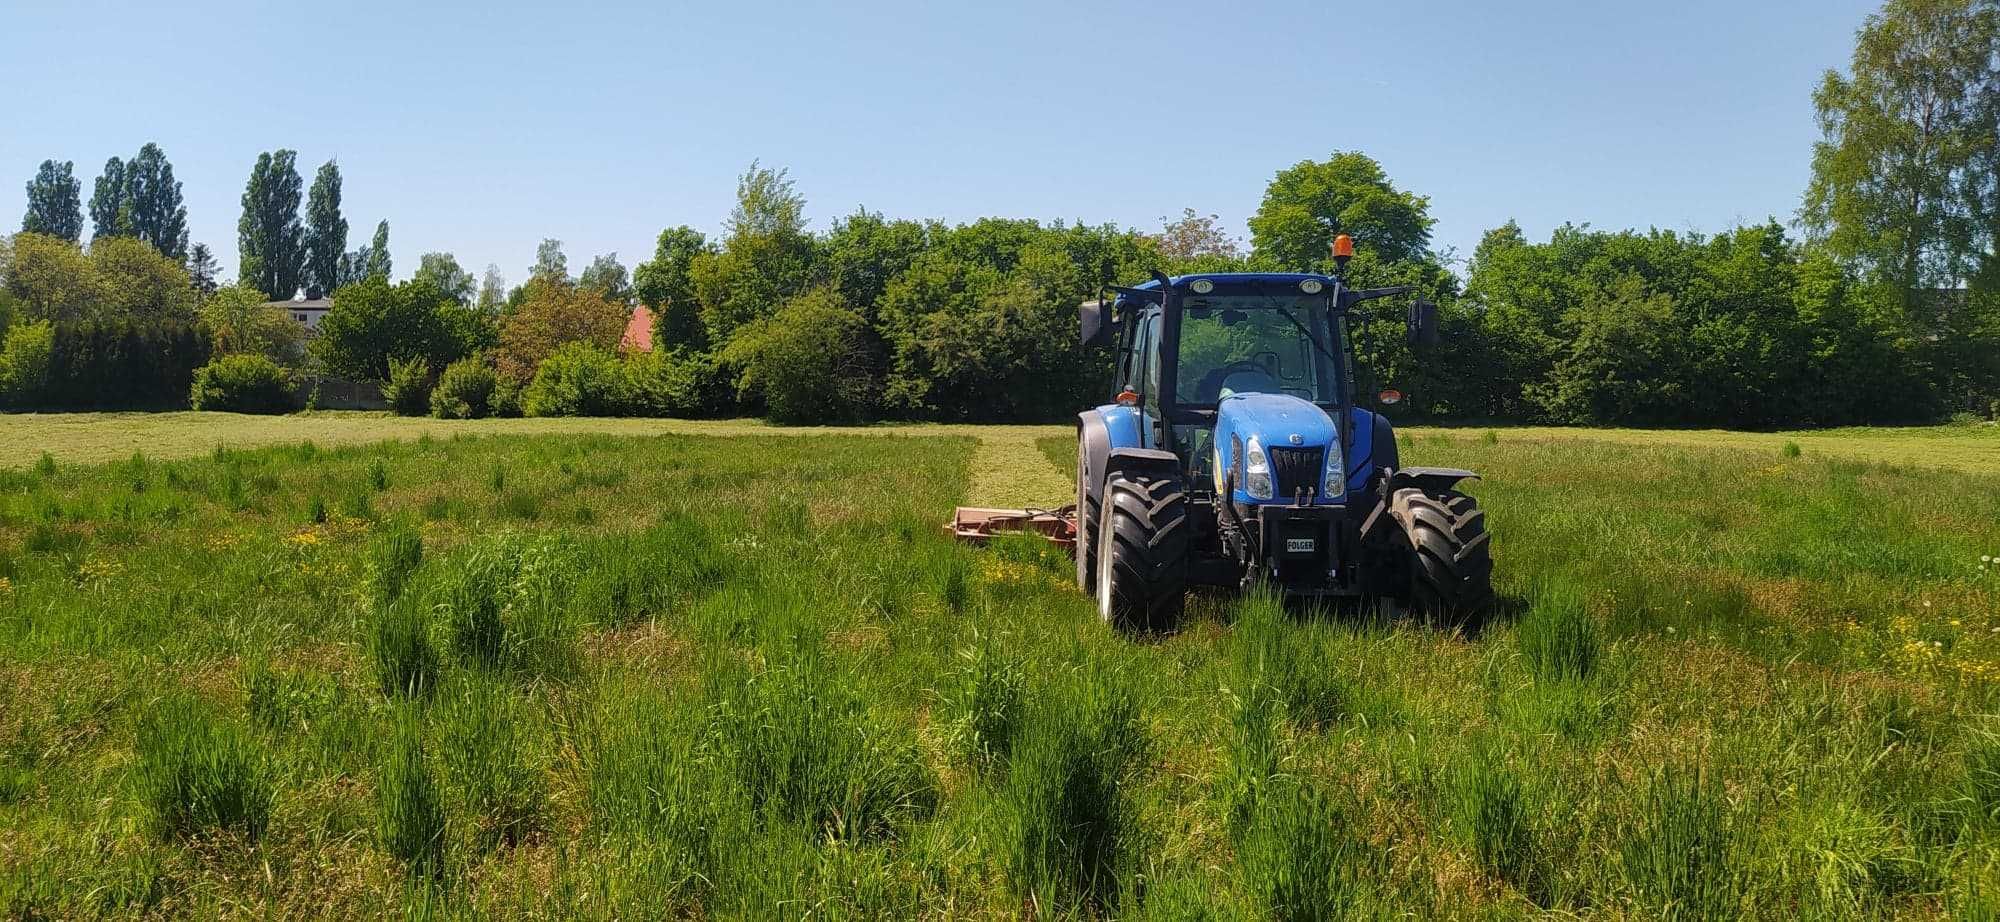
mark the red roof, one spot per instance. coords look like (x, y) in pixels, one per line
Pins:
(638, 331)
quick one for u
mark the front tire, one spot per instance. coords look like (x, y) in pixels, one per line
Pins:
(1451, 571)
(1141, 551)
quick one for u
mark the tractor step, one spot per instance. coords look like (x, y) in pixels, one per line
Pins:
(976, 525)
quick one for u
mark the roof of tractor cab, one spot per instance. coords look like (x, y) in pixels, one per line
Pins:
(1235, 278)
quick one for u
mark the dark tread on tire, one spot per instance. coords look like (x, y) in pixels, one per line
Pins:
(1452, 575)
(1147, 524)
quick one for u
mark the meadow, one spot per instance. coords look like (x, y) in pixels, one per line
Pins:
(720, 673)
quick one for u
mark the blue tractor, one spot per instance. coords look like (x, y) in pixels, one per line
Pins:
(1233, 455)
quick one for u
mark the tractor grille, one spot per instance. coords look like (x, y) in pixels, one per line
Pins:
(1297, 469)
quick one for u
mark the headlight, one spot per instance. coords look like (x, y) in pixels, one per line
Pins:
(1336, 472)
(1256, 470)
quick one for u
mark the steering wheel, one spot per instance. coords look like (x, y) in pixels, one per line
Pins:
(1211, 383)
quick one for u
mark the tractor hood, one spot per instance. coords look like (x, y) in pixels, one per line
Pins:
(1296, 437)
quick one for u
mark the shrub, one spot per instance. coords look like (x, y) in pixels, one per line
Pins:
(464, 391)
(810, 363)
(408, 387)
(197, 774)
(242, 384)
(123, 364)
(676, 384)
(578, 379)
(506, 401)
(410, 813)
(24, 363)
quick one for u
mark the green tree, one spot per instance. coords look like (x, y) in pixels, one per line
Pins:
(1908, 145)
(110, 214)
(443, 271)
(864, 251)
(1197, 241)
(373, 322)
(377, 263)
(664, 285)
(1306, 206)
(810, 363)
(550, 263)
(553, 312)
(766, 257)
(157, 213)
(240, 320)
(492, 292)
(55, 204)
(270, 239)
(325, 233)
(202, 270)
(52, 279)
(607, 277)
(137, 282)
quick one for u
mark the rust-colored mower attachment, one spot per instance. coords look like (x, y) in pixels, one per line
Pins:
(976, 525)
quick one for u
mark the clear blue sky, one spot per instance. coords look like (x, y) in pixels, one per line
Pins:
(482, 127)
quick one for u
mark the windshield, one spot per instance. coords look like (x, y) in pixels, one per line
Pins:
(1240, 344)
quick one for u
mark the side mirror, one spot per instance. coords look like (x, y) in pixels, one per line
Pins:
(1423, 323)
(1098, 327)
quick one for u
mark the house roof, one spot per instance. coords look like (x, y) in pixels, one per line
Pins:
(304, 304)
(638, 331)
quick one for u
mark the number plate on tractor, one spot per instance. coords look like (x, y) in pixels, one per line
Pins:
(1298, 545)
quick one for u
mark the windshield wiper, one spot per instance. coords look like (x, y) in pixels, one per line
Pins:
(1303, 331)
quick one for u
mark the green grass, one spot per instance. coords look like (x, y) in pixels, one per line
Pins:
(733, 674)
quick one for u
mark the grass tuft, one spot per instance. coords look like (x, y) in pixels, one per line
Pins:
(410, 813)
(1067, 824)
(1678, 856)
(1491, 814)
(1558, 636)
(198, 774)
(393, 557)
(986, 703)
(46, 465)
(406, 662)
(489, 756)
(807, 752)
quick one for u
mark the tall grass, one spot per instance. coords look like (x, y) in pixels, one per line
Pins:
(199, 774)
(1304, 857)
(399, 644)
(393, 559)
(1678, 853)
(1493, 815)
(1558, 636)
(987, 702)
(493, 762)
(1067, 825)
(806, 750)
(409, 808)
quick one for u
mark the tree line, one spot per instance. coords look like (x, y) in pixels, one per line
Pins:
(1880, 303)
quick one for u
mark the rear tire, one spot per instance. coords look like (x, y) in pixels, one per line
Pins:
(1451, 570)
(1086, 524)
(1142, 544)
